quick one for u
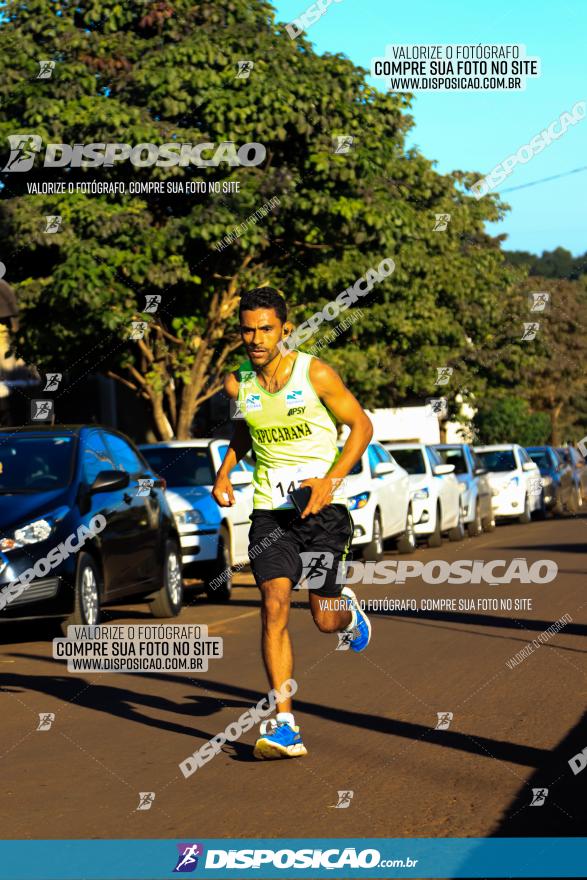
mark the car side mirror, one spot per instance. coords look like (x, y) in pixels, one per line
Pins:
(439, 470)
(382, 468)
(241, 478)
(480, 471)
(528, 466)
(110, 481)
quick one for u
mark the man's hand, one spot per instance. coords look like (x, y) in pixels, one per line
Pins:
(222, 491)
(322, 492)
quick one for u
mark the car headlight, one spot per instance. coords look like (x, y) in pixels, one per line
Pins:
(32, 533)
(358, 501)
(188, 517)
(422, 493)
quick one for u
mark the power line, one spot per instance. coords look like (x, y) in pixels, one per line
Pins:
(544, 179)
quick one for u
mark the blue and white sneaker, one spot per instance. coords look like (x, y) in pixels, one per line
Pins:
(279, 740)
(361, 630)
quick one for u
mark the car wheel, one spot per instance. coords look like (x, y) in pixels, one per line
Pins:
(435, 539)
(86, 610)
(475, 527)
(457, 533)
(526, 517)
(541, 512)
(218, 580)
(373, 551)
(488, 523)
(406, 543)
(167, 601)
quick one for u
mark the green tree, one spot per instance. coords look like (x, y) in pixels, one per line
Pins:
(161, 72)
(509, 420)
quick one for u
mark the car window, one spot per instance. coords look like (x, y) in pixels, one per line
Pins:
(123, 455)
(524, 457)
(433, 458)
(96, 457)
(240, 465)
(372, 456)
(181, 466)
(497, 460)
(30, 463)
(454, 456)
(411, 460)
(382, 453)
(357, 468)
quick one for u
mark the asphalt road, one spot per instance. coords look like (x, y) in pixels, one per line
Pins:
(368, 720)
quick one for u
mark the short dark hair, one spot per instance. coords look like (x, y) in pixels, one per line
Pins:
(264, 298)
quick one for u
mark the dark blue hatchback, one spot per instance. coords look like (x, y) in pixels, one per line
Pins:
(83, 521)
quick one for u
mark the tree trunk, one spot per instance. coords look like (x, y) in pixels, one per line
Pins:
(554, 424)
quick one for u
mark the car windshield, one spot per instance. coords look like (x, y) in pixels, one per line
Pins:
(541, 458)
(454, 456)
(412, 460)
(181, 465)
(498, 460)
(35, 464)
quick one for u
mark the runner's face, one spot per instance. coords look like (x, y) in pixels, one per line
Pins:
(261, 331)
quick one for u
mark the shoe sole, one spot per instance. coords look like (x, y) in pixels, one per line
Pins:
(268, 751)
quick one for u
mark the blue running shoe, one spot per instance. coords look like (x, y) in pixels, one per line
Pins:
(361, 632)
(279, 741)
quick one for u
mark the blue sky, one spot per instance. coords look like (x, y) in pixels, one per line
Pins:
(476, 131)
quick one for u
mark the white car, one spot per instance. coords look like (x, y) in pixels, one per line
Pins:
(514, 478)
(379, 501)
(213, 538)
(434, 490)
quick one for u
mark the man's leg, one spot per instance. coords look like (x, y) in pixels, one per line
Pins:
(330, 613)
(275, 640)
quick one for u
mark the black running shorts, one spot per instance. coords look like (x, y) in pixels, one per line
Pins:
(324, 538)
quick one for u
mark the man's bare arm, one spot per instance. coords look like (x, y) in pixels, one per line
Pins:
(346, 409)
(238, 447)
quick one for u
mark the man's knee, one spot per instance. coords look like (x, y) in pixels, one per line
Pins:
(275, 603)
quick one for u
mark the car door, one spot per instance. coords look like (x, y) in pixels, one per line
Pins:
(139, 515)
(532, 480)
(448, 492)
(240, 514)
(395, 491)
(484, 491)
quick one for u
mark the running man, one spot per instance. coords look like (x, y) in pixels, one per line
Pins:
(289, 402)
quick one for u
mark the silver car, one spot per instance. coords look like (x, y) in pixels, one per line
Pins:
(476, 491)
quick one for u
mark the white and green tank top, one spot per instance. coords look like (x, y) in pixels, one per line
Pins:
(293, 434)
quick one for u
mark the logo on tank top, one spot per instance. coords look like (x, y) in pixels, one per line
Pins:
(294, 398)
(252, 402)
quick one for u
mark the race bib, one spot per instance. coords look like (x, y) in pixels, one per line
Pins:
(284, 480)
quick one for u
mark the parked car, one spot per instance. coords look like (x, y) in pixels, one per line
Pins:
(379, 501)
(514, 478)
(558, 487)
(213, 538)
(54, 481)
(574, 458)
(434, 490)
(476, 492)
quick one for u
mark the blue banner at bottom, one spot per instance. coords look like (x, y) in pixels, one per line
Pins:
(293, 857)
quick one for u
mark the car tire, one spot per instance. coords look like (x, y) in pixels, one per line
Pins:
(526, 517)
(407, 543)
(86, 611)
(373, 551)
(435, 538)
(168, 600)
(576, 500)
(488, 523)
(475, 527)
(457, 533)
(222, 565)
